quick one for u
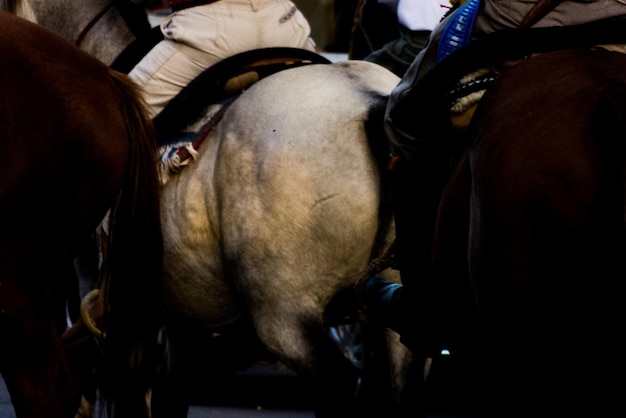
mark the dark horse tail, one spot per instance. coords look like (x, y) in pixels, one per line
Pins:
(131, 275)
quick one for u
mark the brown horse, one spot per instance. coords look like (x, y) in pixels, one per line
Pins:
(543, 230)
(75, 143)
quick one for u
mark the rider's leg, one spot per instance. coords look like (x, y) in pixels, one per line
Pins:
(412, 309)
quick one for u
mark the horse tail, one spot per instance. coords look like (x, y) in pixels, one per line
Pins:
(379, 145)
(131, 277)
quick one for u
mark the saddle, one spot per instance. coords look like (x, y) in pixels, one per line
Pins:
(456, 84)
(225, 80)
(189, 117)
(186, 120)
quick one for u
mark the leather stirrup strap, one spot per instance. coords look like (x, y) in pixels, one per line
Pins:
(539, 10)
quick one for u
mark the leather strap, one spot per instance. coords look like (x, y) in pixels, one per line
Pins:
(539, 10)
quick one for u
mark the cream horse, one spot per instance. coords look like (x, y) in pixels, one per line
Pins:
(279, 212)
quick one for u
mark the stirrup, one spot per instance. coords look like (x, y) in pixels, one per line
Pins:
(382, 301)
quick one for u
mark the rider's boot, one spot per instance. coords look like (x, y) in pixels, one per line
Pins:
(412, 309)
(382, 299)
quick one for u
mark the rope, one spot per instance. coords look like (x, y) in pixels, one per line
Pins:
(357, 25)
(385, 261)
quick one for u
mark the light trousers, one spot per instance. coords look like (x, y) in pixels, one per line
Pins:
(200, 36)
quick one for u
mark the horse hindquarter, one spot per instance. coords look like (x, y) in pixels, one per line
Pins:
(547, 232)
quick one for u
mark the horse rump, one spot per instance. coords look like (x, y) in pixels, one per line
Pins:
(546, 243)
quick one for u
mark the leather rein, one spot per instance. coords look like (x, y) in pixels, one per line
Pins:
(92, 23)
(12, 8)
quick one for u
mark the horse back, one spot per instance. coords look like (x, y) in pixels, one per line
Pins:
(546, 232)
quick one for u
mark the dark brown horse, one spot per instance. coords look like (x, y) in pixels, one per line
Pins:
(75, 143)
(543, 186)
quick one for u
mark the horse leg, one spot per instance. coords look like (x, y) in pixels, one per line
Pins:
(170, 394)
(198, 363)
(390, 381)
(333, 376)
(32, 359)
(451, 375)
(301, 341)
(82, 351)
